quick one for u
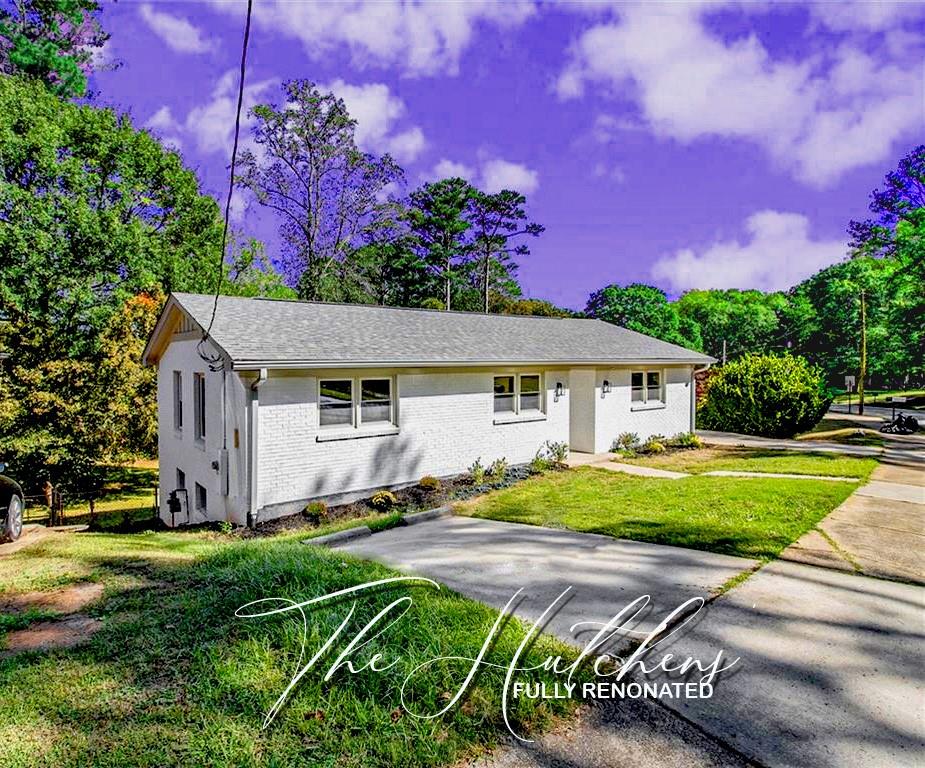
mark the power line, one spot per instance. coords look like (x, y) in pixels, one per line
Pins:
(215, 362)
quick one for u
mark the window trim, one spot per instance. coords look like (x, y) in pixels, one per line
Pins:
(356, 411)
(178, 401)
(199, 406)
(353, 400)
(180, 479)
(518, 413)
(646, 402)
(390, 422)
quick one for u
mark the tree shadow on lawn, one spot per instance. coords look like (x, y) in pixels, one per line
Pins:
(173, 678)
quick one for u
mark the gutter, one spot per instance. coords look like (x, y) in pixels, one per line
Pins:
(256, 365)
(252, 453)
(694, 373)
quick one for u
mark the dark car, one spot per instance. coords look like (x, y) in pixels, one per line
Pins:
(12, 507)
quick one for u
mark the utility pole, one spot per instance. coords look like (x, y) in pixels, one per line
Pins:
(863, 374)
(724, 351)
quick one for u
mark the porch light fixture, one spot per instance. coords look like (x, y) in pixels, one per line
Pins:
(559, 390)
(605, 389)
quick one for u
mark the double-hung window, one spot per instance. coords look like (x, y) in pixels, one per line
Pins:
(201, 499)
(355, 402)
(647, 387)
(504, 394)
(376, 401)
(518, 394)
(199, 406)
(336, 403)
(178, 400)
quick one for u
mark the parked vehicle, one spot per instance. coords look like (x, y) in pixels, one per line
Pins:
(901, 425)
(12, 507)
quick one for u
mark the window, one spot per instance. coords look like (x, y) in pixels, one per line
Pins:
(653, 385)
(638, 391)
(202, 499)
(336, 402)
(646, 387)
(177, 400)
(504, 394)
(375, 401)
(199, 406)
(181, 478)
(530, 392)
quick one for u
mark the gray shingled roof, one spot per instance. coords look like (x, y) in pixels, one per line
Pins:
(263, 332)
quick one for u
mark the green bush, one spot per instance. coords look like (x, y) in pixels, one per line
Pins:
(765, 395)
(685, 440)
(653, 444)
(383, 501)
(477, 472)
(430, 484)
(557, 452)
(539, 463)
(626, 441)
(497, 470)
(316, 511)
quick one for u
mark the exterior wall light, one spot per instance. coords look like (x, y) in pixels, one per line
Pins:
(605, 389)
(559, 390)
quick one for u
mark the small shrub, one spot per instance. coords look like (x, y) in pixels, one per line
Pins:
(556, 452)
(430, 484)
(686, 440)
(316, 511)
(653, 446)
(477, 472)
(383, 501)
(626, 441)
(765, 395)
(224, 527)
(539, 463)
(497, 470)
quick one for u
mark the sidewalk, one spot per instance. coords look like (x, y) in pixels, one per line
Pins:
(878, 531)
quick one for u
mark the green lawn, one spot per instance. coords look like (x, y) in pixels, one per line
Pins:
(758, 460)
(751, 517)
(174, 679)
(879, 397)
(843, 431)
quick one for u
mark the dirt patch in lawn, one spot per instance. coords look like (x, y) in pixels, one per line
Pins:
(64, 600)
(52, 635)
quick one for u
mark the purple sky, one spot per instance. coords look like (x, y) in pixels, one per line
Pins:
(688, 145)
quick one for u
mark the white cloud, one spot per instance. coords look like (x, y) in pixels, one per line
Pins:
(212, 124)
(448, 169)
(612, 172)
(376, 110)
(163, 124)
(833, 111)
(422, 38)
(177, 32)
(498, 174)
(777, 254)
(864, 14)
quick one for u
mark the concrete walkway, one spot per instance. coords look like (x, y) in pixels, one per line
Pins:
(878, 531)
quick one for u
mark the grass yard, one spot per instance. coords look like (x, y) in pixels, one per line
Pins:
(758, 460)
(174, 679)
(843, 431)
(750, 517)
(879, 397)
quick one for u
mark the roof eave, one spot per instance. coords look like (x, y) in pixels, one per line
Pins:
(253, 365)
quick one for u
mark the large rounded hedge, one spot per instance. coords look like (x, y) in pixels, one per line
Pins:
(764, 395)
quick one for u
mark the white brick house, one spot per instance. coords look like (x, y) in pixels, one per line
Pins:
(307, 400)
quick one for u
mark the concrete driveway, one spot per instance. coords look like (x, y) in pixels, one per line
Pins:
(832, 664)
(490, 560)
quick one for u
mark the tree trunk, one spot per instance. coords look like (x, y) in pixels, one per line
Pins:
(487, 270)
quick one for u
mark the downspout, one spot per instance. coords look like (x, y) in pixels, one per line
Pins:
(694, 373)
(252, 454)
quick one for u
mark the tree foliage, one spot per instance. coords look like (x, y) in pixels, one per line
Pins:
(325, 190)
(52, 41)
(764, 395)
(643, 308)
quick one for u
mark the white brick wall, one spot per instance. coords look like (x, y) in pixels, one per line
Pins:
(446, 421)
(615, 413)
(181, 450)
